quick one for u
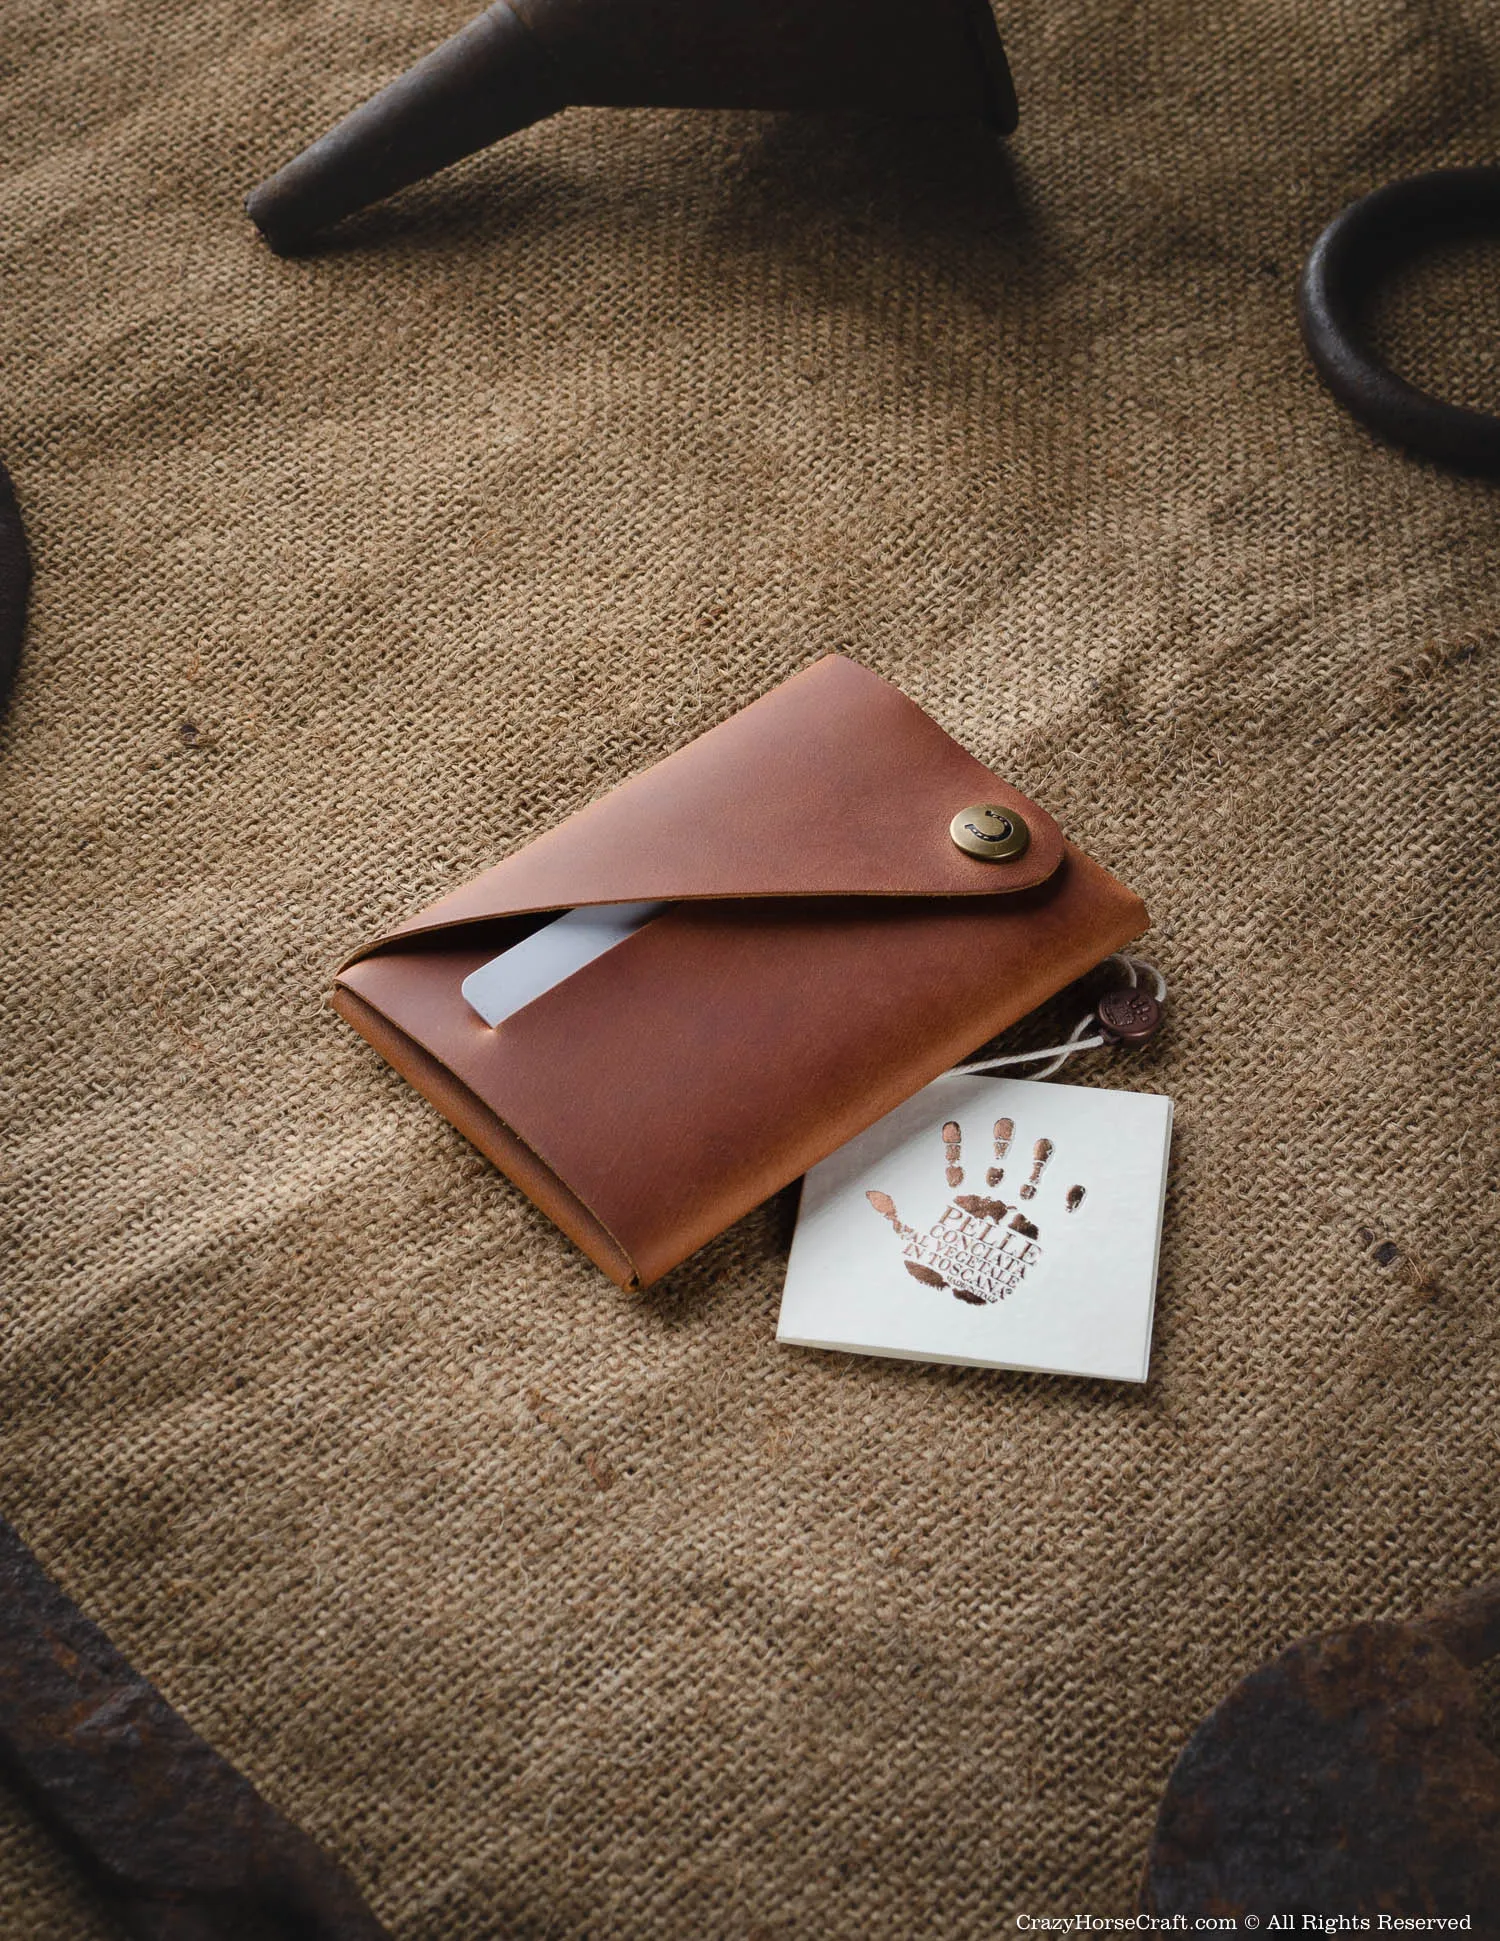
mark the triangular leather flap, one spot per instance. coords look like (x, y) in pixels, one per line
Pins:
(833, 784)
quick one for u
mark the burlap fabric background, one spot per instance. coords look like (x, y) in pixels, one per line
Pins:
(557, 1612)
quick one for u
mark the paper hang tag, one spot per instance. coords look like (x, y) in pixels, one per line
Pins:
(997, 1222)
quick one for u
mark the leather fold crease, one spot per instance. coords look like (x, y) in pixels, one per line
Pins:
(833, 784)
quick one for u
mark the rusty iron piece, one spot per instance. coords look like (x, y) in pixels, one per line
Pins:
(15, 583)
(181, 1844)
(523, 60)
(1347, 1776)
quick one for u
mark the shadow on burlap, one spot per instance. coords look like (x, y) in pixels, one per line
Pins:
(557, 1612)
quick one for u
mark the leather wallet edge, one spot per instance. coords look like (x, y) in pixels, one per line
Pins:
(489, 1133)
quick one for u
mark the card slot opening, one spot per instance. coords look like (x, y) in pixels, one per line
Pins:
(550, 955)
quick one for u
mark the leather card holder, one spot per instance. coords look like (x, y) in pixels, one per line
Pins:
(828, 951)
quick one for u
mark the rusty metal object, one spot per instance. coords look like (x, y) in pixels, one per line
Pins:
(182, 1845)
(15, 583)
(523, 60)
(1345, 1777)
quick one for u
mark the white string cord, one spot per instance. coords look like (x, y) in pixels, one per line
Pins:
(1133, 967)
(1058, 1054)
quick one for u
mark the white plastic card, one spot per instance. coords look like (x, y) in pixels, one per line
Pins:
(511, 981)
(992, 1221)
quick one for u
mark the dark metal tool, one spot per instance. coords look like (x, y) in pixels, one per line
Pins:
(1345, 1777)
(181, 1844)
(523, 60)
(1358, 250)
(15, 582)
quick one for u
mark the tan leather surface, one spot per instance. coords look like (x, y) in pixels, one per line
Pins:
(674, 1083)
(833, 784)
(479, 1125)
(715, 1055)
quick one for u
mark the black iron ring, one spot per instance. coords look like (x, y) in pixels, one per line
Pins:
(1355, 253)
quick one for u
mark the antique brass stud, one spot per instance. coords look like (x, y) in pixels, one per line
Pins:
(985, 829)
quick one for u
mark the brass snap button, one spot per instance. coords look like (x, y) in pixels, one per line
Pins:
(984, 829)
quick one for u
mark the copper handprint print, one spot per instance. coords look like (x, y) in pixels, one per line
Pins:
(997, 1222)
(980, 1247)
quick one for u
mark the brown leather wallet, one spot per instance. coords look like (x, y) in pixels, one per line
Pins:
(829, 950)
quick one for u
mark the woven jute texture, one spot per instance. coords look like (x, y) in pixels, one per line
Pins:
(557, 1612)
